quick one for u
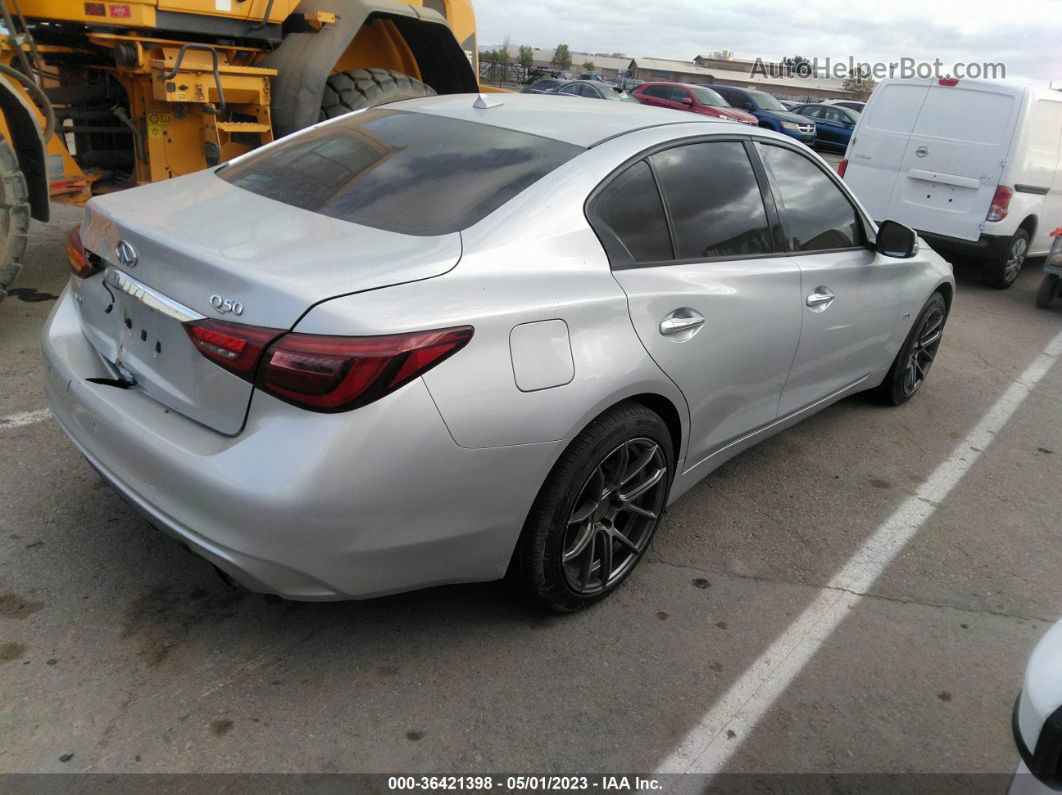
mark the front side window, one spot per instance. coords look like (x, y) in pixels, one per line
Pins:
(630, 211)
(817, 215)
(405, 172)
(714, 200)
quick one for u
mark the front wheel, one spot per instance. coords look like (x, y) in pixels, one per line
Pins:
(596, 513)
(366, 88)
(14, 217)
(1048, 290)
(911, 365)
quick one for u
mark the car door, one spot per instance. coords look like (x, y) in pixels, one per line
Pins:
(713, 301)
(679, 95)
(850, 295)
(839, 125)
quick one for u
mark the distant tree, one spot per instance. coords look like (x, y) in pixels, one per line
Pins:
(860, 83)
(798, 65)
(527, 56)
(562, 57)
(588, 66)
(616, 55)
(503, 53)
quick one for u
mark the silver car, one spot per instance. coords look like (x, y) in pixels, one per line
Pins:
(454, 338)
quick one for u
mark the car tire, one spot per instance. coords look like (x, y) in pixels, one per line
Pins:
(1048, 290)
(357, 89)
(14, 217)
(1001, 271)
(911, 365)
(577, 527)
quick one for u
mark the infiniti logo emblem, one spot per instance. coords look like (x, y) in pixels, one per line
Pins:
(126, 254)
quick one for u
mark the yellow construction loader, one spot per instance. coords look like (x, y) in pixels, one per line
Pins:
(99, 96)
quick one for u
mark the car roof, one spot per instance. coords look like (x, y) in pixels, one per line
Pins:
(574, 120)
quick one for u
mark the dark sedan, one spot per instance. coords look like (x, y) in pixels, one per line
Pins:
(592, 89)
(833, 124)
(542, 86)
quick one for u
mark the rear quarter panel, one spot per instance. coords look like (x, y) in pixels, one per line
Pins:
(535, 259)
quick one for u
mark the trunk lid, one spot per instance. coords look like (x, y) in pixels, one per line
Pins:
(205, 248)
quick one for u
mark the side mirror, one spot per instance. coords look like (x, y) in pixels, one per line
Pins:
(896, 240)
(687, 101)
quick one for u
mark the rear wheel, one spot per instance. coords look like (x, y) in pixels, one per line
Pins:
(366, 88)
(1048, 290)
(1001, 271)
(597, 511)
(14, 217)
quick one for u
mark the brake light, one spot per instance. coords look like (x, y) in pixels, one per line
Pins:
(842, 167)
(234, 346)
(83, 263)
(997, 211)
(341, 373)
(324, 373)
(949, 81)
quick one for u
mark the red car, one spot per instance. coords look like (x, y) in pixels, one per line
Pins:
(697, 99)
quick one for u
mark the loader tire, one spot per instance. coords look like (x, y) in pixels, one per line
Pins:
(366, 88)
(14, 217)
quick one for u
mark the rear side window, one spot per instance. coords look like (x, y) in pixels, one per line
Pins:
(630, 215)
(413, 173)
(714, 200)
(817, 216)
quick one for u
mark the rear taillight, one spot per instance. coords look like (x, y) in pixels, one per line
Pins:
(324, 373)
(842, 167)
(948, 81)
(997, 211)
(234, 346)
(83, 263)
(341, 373)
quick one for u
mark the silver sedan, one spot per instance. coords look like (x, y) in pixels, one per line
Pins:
(459, 337)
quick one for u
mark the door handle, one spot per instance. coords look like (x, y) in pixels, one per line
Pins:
(820, 299)
(681, 324)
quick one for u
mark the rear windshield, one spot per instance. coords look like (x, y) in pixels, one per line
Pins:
(413, 173)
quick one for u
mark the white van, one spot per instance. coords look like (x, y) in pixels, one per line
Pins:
(973, 165)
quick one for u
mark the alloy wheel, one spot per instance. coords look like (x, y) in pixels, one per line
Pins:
(924, 351)
(614, 516)
(1015, 258)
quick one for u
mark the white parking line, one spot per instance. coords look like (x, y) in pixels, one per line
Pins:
(719, 734)
(24, 418)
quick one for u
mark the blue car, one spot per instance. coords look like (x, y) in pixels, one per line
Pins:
(771, 113)
(833, 123)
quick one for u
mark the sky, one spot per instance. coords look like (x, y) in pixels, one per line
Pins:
(1025, 35)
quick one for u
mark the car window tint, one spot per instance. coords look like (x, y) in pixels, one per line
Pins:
(630, 206)
(678, 94)
(811, 112)
(817, 216)
(714, 200)
(414, 173)
(569, 90)
(657, 92)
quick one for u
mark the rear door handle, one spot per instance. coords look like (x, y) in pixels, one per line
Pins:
(820, 299)
(681, 324)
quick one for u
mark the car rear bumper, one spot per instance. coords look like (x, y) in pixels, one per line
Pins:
(986, 246)
(309, 506)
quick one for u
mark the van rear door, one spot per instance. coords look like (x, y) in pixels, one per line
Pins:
(943, 176)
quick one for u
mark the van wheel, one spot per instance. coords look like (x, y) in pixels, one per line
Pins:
(14, 217)
(1048, 290)
(1002, 271)
(596, 513)
(367, 88)
(911, 365)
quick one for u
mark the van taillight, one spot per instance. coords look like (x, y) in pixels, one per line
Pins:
(842, 167)
(949, 81)
(83, 263)
(997, 211)
(324, 373)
